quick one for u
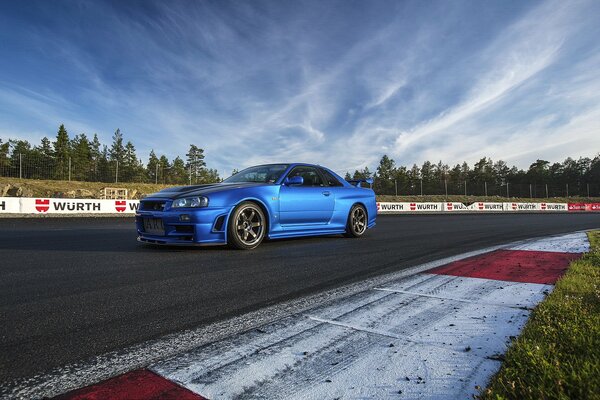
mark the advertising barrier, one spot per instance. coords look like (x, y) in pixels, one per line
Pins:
(393, 208)
(42, 206)
(385, 207)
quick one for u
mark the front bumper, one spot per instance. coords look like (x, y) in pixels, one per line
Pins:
(202, 226)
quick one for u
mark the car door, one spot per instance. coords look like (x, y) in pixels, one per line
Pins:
(311, 203)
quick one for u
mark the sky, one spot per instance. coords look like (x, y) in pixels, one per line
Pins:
(339, 83)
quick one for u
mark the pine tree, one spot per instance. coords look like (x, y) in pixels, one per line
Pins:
(152, 167)
(500, 172)
(362, 174)
(105, 172)
(20, 149)
(4, 149)
(117, 154)
(44, 159)
(209, 176)
(384, 184)
(401, 180)
(45, 148)
(62, 152)
(132, 168)
(414, 178)
(164, 170)
(81, 157)
(96, 155)
(117, 150)
(178, 173)
(195, 163)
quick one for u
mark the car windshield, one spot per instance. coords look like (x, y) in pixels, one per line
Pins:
(261, 173)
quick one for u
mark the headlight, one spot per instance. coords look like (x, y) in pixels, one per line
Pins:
(190, 202)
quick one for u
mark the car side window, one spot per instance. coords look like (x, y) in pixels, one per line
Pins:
(330, 180)
(309, 174)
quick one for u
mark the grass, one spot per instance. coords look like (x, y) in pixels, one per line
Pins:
(557, 356)
(77, 189)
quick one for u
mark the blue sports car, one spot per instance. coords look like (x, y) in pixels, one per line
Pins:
(267, 201)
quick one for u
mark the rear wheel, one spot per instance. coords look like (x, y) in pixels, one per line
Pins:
(357, 221)
(246, 228)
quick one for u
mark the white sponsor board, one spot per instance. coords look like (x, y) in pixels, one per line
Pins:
(485, 206)
(554, 207)
(386, 207)
(392, 208)
(10, 205)
(536, 207)
(40, 206)
(454, 206)
(479, 206)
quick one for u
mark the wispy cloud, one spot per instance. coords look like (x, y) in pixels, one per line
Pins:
(336, 83)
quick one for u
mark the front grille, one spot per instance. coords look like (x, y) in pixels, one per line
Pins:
(150, 205)
(184, 228)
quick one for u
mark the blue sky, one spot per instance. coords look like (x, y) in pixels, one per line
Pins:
(333, 82)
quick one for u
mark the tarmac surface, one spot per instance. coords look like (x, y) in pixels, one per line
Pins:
(74, 288)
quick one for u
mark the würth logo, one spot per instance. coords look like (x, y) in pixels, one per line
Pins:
(514, 206)
(543, 206)
(413, 206)
(378, 206)
(120, 205)
(42, 205)
(449, 206)
(480, 206)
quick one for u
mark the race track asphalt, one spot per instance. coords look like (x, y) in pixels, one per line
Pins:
(73, 288)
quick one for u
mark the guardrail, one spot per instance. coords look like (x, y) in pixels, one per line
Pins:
(41, 206)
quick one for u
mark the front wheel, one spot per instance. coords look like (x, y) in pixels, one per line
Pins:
(357, 221)
(246, 228)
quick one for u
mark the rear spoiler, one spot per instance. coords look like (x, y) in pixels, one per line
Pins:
(357, 182)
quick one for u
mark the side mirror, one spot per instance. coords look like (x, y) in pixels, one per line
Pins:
(294, 181)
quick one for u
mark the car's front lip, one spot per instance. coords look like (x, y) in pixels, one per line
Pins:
(201, 223)
(163, 242)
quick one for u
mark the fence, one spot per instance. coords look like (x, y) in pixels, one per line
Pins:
(71, 169)
(486, 189)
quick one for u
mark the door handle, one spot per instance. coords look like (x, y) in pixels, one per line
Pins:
(326, 193)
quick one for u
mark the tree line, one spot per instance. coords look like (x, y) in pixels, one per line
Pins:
(87, 159)
(494, 177)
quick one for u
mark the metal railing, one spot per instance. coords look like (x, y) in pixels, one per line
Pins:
(72, 169)
(486, 189)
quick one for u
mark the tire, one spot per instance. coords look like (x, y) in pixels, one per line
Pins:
(246, 226)
(357, 222)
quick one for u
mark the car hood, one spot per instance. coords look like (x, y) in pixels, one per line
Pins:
(198, 190)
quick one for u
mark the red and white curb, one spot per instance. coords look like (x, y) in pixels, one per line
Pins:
(438, 334)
